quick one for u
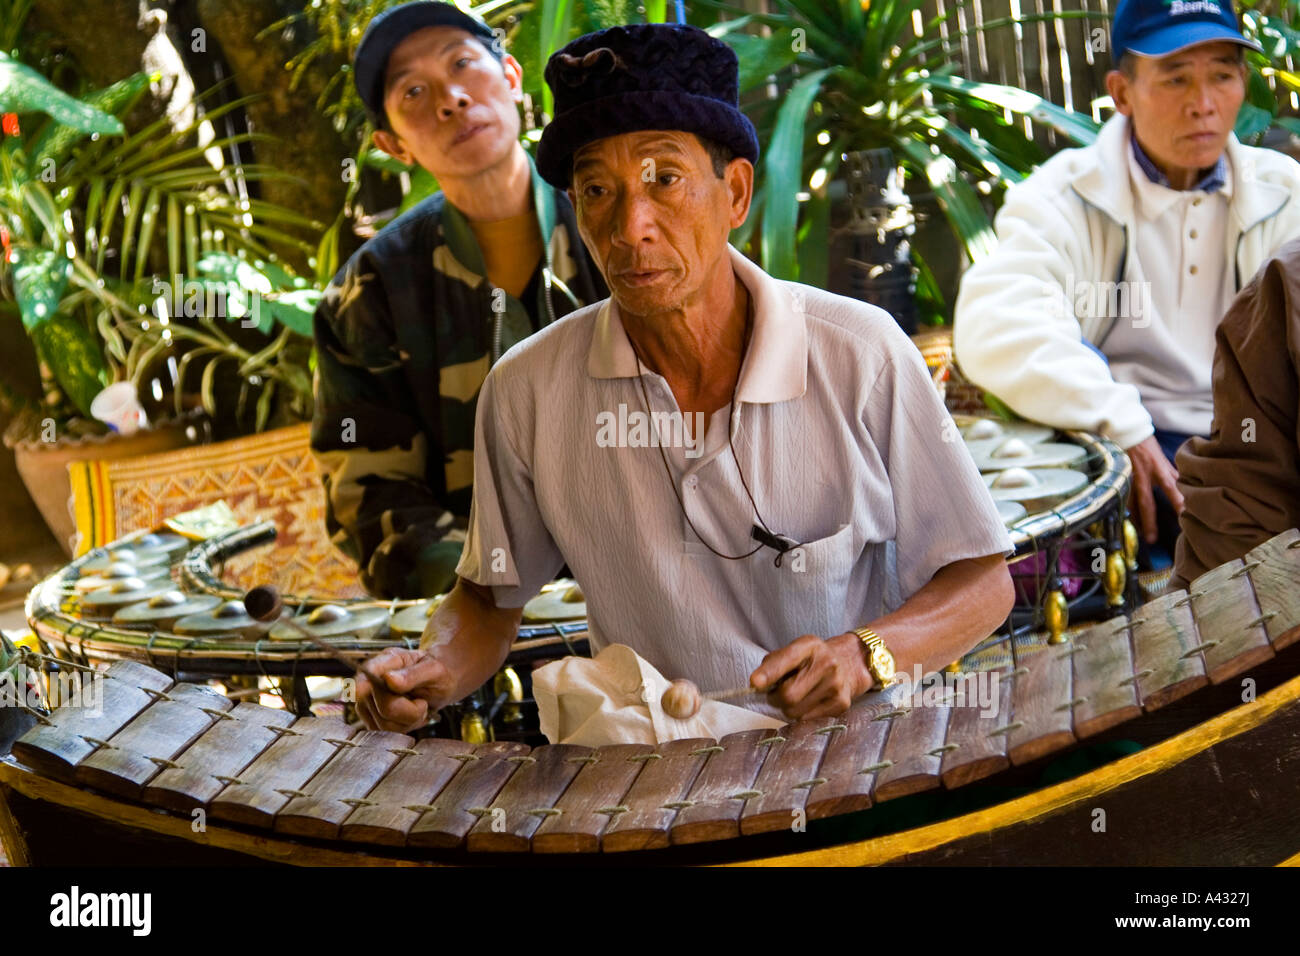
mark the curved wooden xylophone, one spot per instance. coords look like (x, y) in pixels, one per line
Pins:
(317, 790)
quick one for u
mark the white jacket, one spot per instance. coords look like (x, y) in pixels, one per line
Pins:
(1016, 333)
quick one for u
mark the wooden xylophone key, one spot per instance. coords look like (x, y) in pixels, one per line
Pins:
(1041, 705)
(657, 795)
(1104, 691)
(508, 825)
(1167, 664)
(714, 805)
(72, 733)
(913, 752)
(852, 760)
(393, 806)
(976, 744)
(788, 773)
(593, 799)
(331, 795)
(145, 747)
(1274, 571)
(445, 822)
(1229, 621)
(225, 749)
(262, 789)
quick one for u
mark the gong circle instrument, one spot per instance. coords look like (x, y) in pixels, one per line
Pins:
(1062, 497)
(154, 754)
(159, 599)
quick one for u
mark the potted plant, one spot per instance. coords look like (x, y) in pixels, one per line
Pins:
(852, 77)
(89, 217)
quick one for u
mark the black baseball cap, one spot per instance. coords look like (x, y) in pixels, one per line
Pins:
(388, 29)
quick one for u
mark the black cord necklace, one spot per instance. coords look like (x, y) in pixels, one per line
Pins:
(778, 542)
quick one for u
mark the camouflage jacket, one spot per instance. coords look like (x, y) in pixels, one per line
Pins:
(405, 335)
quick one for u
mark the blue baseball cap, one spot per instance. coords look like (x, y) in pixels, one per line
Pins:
(1161, 27)
(388, 29)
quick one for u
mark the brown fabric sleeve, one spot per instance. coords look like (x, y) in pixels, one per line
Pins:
(1242, 484)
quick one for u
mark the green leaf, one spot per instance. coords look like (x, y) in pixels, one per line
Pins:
(761, 57)
(264, 405)
(74, 357)
(1257, 113)
(999, 407)
(959, 203)
(39, 280)
(23, 90)
(1251, 121)
(557, 16)
(376, 158)
(423, 185)
(294, 310)
(207, 385)
(42, 204)
(814, 240)
(58, 138)
(977, 151)
(783, 172)
(222, 265)
(1081, 129)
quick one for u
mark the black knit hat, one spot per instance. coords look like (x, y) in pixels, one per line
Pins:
(644, 76)
(386, 30)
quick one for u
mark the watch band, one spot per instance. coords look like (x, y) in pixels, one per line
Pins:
(870, 640)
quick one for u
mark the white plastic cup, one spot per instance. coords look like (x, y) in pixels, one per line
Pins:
(118, 407)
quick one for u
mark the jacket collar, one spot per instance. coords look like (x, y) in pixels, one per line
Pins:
(775, 368)
(1104, 182)
(459, 235)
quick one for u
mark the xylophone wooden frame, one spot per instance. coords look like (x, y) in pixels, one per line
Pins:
(1186, 701)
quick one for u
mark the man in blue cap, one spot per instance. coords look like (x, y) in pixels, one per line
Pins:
(1116, 262)
(791, 518)
(408, 329)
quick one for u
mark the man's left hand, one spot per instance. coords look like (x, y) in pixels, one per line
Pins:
(824, 676)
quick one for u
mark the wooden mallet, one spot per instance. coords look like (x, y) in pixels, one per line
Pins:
(263, 603)
(682, 699)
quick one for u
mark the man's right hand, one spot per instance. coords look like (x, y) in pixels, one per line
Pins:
(1151, 469)
(415, 686)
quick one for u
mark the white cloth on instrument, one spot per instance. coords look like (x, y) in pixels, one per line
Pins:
(616, 698)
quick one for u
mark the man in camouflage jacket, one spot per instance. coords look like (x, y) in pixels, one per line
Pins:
(409, 327)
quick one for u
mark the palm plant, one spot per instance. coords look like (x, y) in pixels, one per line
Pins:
(858, 76)
(88, 215)
(1274, 83)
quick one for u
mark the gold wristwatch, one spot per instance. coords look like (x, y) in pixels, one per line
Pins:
(879, 661)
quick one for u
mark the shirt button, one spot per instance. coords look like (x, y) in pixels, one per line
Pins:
(1196, 202)
(692, 481)
(1192, 270)
(1192, 234)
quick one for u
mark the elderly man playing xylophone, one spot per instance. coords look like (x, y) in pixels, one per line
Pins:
(815, 515)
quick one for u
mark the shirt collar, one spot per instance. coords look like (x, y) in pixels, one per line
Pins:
(775, 368)
(1211, 182)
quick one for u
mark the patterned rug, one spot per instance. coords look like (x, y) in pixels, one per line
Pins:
(267, 477)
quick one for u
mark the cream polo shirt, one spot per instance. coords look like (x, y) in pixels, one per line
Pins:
(842, 439)
(1180, 261)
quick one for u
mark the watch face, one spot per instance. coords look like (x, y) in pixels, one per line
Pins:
(883, 662)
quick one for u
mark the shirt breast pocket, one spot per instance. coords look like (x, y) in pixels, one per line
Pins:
(810, 588)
